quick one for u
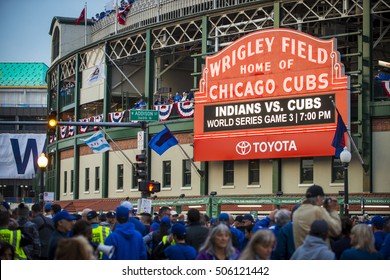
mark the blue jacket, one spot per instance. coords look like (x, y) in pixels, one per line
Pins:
(356, 254)
(313, 248)
(379, 238)
(240, 236)
(139, 226)
(128, 243)
(285, 246)
(385, 249)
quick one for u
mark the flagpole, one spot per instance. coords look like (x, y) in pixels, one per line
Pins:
(200, 172)
(85, 24)
(116, 17)
(123, 74)
(116, 145)
(352, 142)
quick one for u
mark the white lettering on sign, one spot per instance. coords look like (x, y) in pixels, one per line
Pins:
(304, 50)
(275, 146)
(259, 46)
(304, 83)
(233, 90)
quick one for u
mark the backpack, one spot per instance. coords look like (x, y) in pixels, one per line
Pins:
(45, 231)
(158, 251)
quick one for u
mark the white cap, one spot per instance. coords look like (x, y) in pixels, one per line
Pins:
(173, 213)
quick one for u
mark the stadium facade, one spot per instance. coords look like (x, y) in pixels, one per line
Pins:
(161, 50)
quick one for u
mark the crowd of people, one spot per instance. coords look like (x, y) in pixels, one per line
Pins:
(170, 99)
(312, 230)
(108, 10)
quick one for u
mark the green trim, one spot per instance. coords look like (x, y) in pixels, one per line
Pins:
(277, 17)
(380, 109)
(106, 110)
(149, 69)
(367, 90)
(258, 200)
(76, 149)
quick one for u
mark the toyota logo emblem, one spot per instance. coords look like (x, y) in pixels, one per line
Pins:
(243, 148)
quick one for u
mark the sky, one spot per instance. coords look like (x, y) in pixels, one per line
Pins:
(25, 26)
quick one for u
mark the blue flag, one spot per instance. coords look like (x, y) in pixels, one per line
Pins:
(338, 139)
(163, 141)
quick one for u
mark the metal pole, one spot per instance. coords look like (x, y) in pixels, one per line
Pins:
(346, 206)
(42, 190)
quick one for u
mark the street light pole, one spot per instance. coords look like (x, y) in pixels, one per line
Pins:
(345, 157)
(42, 163)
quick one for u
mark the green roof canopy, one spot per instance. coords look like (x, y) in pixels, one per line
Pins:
(23, 74)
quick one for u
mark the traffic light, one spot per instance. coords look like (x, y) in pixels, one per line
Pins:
(52, 123)
(141, 167)
(149, 186)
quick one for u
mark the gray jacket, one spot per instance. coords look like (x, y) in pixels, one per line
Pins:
(313, 248)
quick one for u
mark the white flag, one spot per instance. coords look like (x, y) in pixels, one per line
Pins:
(98, 143)
(109, 6)
(97, 74)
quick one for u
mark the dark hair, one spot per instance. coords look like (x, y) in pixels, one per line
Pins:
(4, 246)
(103, 217)
(163, 210)
(4, 218)
(346, 225)
(81, 227)
(122, 219)
(56, 208)
(319, 228)
(36, 208)
(193, 215)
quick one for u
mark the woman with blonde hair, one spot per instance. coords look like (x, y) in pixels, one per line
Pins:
(218, 245)
(260, 246)
(363, 245)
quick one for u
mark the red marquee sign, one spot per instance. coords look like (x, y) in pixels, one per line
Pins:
(269, 95)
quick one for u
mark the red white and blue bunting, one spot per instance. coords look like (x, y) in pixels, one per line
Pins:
(185, 109)
(164, 111)
(116, 116)
(52, 139)
(70, 131)
(84, 128)
(386, 87)
(98, 118)
(63, 130)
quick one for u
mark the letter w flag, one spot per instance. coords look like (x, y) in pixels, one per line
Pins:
(98, 143)
(338, 139)
(163, 141)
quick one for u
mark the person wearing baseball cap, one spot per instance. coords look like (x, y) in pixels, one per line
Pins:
(180, 250)
(311, 210)
(174, 216)
(127, 241)
(99, 232)
(111, 218)
(63, 223)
